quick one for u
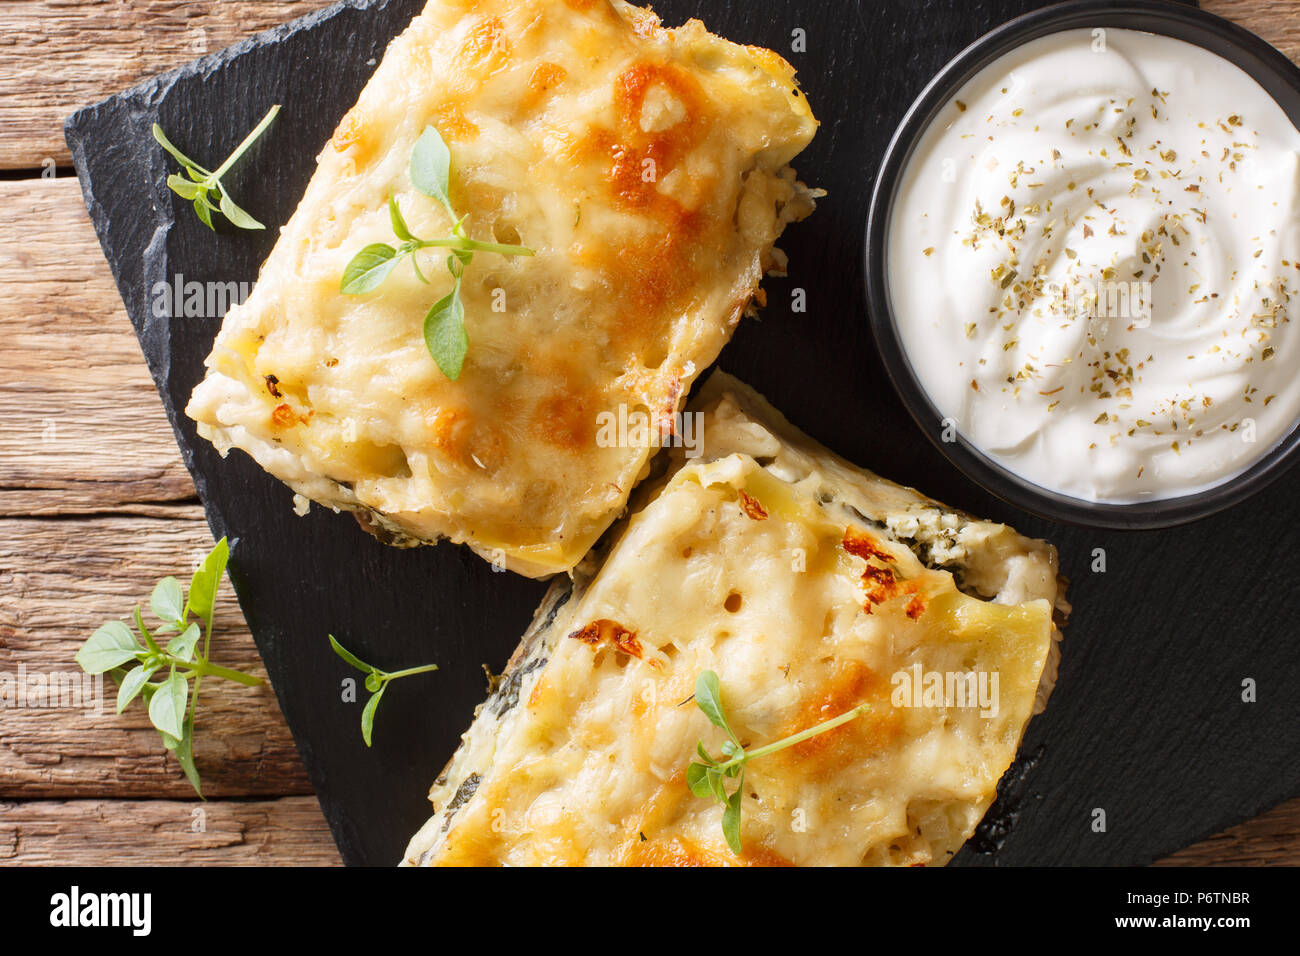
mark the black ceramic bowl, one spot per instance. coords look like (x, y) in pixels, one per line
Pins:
(1273, 71)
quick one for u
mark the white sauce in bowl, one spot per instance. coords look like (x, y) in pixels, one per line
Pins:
(1091, 259)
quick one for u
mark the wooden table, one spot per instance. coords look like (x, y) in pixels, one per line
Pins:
(95, 504)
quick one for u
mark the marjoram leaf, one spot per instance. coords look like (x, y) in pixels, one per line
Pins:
(368, 269)
(206, 581)
(167, 709)
(708, 696)
(444, 333)
(167, 602)
(110, 646)
(431, 167)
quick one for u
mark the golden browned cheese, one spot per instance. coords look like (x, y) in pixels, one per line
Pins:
(810, 587)
(647, 168)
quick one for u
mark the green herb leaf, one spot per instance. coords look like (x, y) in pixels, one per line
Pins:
(731, 818)
(418, 274)
(167, 709)
(697, 780)
(170, 704)
(431, 167)
(717, 787)
(708, 779)
(180, 157)
(182, 645)
(376, 682)
(110, 646)
(131, 685)
(368, 269)
(348, 656)
(201, 183)
(368, 715)
(444, 333)
(444, 324)
(395, 217)
(167, 602)
(149, 642)
(184, 751)
(203, 209)
(185, 188)
(236, 215)
(708, 696)
(206, 581)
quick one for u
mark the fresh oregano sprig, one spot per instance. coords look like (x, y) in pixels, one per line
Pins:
(444, 324)
(376, 682)
(708, 778)
(170, 701)
(202, 183)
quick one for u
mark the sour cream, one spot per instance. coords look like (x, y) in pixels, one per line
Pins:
(1091, 260)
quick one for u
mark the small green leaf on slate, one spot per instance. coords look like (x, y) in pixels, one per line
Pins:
(185, 188)
(368, 715)
(348, 656)
(204, 211)
(236, 215)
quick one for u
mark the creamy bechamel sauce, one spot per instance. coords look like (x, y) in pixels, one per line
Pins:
(1091, 259)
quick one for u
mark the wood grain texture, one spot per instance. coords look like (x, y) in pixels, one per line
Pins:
(59, 55)
(1271, 839)
(59, 580)
(81, 427)
(179, 832)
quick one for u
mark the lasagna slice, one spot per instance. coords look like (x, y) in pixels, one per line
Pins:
(647, 170)
(810, 587)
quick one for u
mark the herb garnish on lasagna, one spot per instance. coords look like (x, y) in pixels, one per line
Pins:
(646, 168)
(812, 589)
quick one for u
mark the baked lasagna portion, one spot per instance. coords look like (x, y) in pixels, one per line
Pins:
(810, 587)
(647, 168)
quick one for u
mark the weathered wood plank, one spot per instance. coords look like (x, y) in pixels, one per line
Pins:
(288, 831)
(59, 55)
(98, 47)
(81, 427)
(1271, 839)
(62, 578)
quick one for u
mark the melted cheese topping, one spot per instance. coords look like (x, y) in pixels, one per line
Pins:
(646, 167)
(806, 606)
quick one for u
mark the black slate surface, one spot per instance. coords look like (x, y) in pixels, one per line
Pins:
(1147, 722)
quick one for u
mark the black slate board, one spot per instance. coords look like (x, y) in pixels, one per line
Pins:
(1147, 722)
